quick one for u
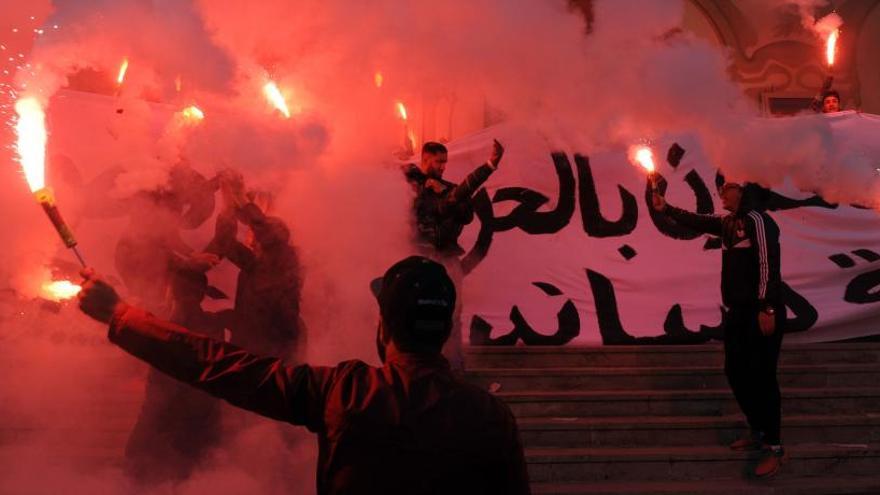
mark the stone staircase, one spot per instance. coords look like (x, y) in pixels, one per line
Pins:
(656, 420)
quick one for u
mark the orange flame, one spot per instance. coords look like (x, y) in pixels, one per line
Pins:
(122, 70)
(193, 112)
(59, 290)
(378, 79)
(831, 47)
(401, 109)
(31, 147)
(273, 94)
(644, 157)
(178, 83)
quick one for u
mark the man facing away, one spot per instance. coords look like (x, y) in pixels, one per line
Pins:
(442, 209)
(409, 427)
(751, 290)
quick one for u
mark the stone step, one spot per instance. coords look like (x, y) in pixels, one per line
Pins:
(561, 465)
(635, 431)
(659, 355)
(709, 402)
(660, 378)
(780, 485)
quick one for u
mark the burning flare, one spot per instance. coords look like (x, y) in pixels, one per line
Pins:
(31, 130)
(378, 79)
(273, 94)
(122, 70)
(31, 147)
(401, 109)
(193, 112)
(60, 290)
(831, 47)
(644, 157)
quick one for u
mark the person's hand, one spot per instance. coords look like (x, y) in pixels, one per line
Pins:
(97, 298)
(767, 322)
(497, 153)
(201, 262)
(658, 201)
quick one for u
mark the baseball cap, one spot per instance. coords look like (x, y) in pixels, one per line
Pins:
(416, 299)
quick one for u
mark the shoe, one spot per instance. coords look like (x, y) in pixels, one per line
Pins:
(771, 463)
(751, 442)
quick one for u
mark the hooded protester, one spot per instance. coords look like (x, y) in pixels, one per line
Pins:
(150, 257)
(409, 427)
(751, 290)
(151, 248)
(267, 298)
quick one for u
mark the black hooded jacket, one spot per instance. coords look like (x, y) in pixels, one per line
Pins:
(267, 297)
(442, 213)
(750, 261)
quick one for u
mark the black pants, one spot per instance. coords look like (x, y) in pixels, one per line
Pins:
(750, 361)
(176, 429)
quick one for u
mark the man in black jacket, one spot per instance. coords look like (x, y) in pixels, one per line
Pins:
(751, 289)
(409, 427)
(442, 209)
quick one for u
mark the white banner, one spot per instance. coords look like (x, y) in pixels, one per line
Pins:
(565, 249)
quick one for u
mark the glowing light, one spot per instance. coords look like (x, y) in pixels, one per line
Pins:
(193, 112)
(178, 83)
(378, 79)
(31, 146)
(644, 157)
(273, 94)
(122, 70)
(401, 110)
(831, 47)
(60, 290)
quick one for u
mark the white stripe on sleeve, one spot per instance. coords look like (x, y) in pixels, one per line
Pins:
(764, 266)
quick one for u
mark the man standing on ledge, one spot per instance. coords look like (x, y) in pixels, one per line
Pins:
(751, 289)
(442, 209)
(409, 427)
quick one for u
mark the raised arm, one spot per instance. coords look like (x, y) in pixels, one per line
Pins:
(295, 394)
(475, 179)
(225, 244)
(264, 385)
(706, 224)
(268, 231)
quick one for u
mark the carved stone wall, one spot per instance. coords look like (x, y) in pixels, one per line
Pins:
(774, 56)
